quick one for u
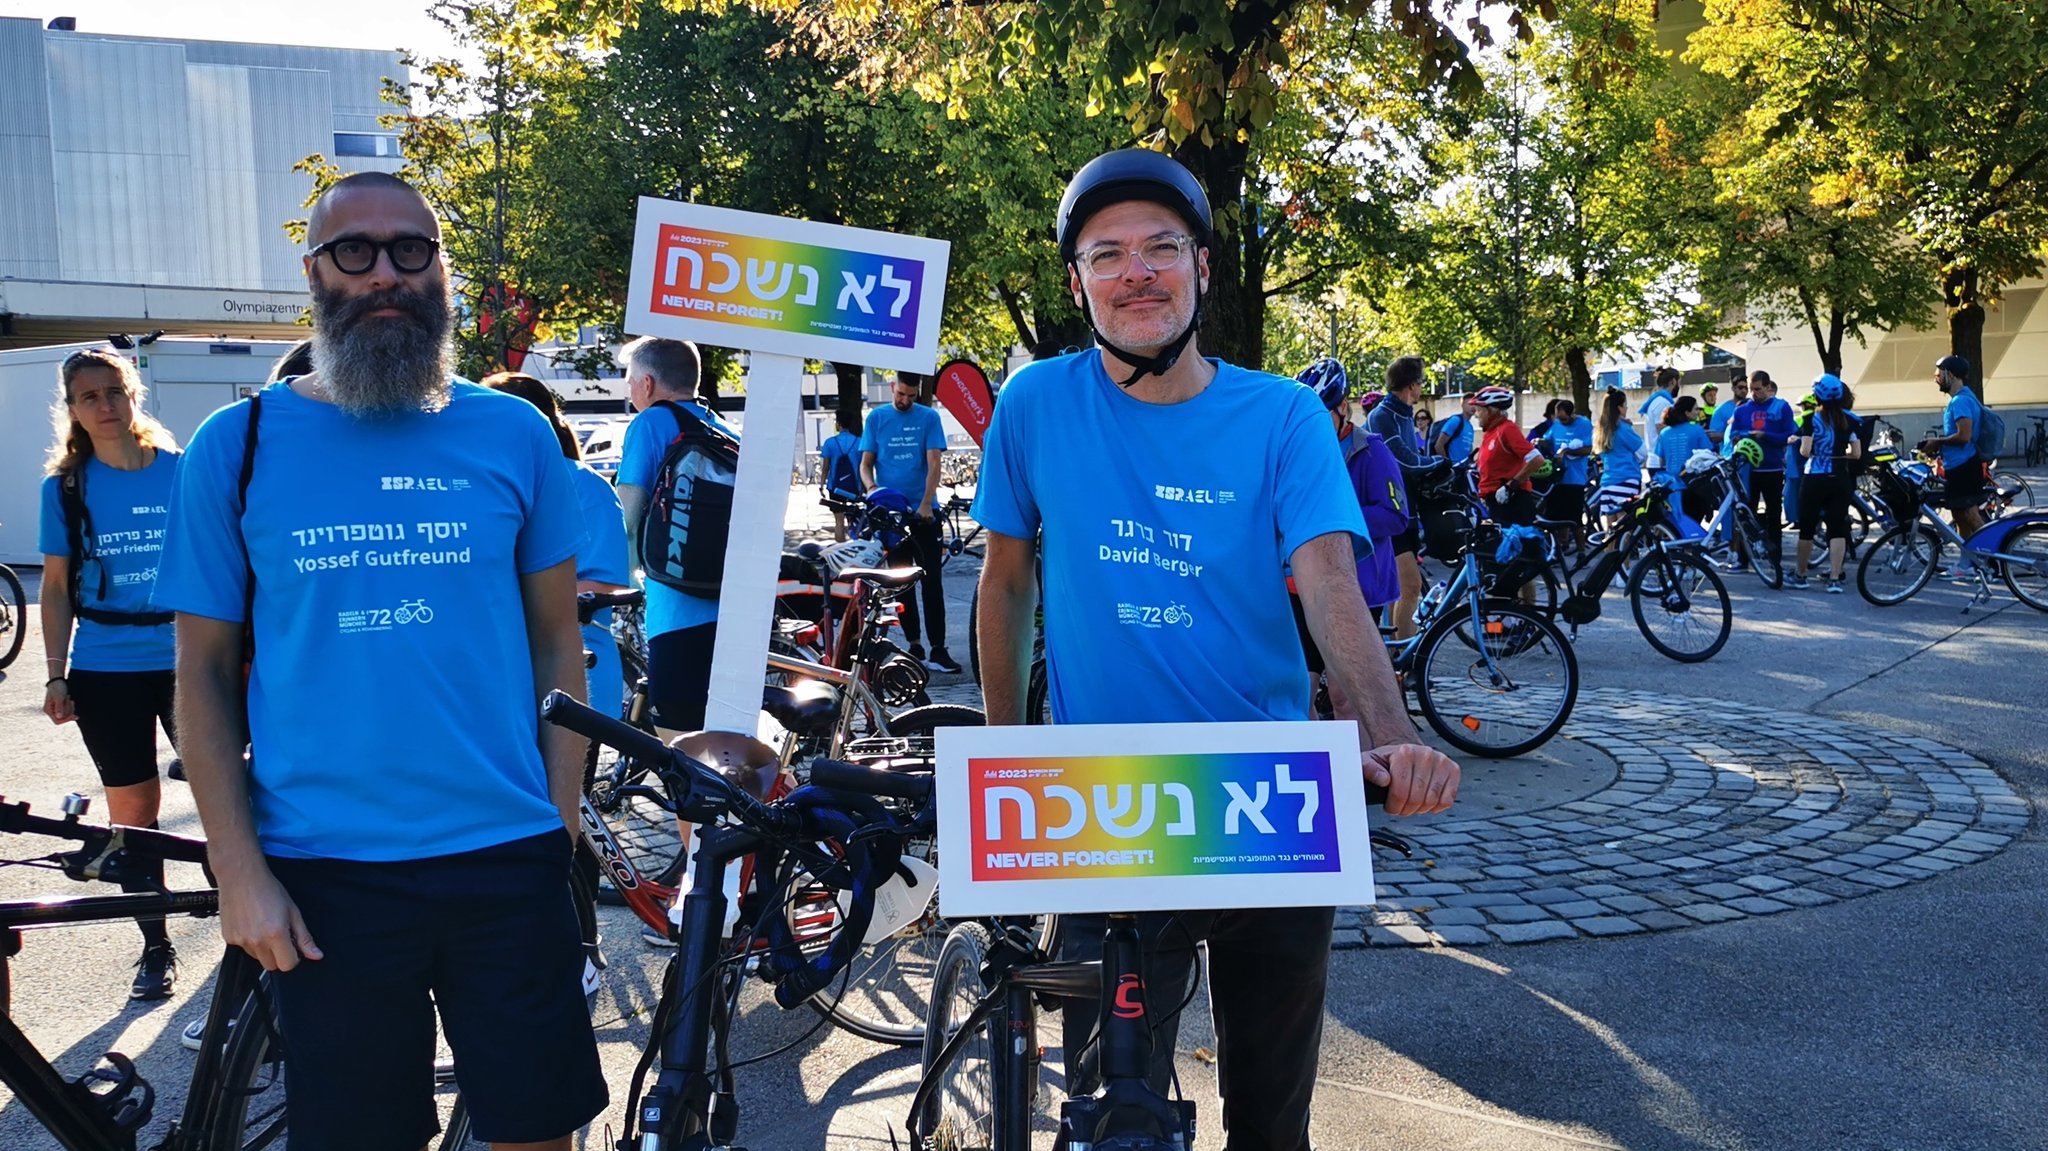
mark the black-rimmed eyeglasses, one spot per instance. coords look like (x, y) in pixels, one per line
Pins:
(358, 254)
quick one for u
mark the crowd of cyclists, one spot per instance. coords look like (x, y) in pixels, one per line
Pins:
(270, 598)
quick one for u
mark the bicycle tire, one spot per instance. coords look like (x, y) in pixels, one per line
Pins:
(2022, 500)
(1038, 695)
(887, 991)
(249, 1112)
(1543, 685)
(981, 1088)
(1898, 565)
(2030, 587)
(1765, 559)
(13, 615)
(1682, 606)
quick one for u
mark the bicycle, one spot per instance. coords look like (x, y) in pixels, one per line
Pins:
(844, 829)
(979, 1087)
(13, 615)
(953, 541)
(1902, 562)
(2033, 448)
(1747, 541)
(235, 1100)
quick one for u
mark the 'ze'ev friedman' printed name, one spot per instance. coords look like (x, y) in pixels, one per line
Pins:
(1148, 545)
(425, 531)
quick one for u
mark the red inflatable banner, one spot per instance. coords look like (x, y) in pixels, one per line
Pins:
(964, 389)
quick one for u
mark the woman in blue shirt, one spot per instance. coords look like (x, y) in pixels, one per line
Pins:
(1681, 437)
(110, 655)
(1827, 446)
(601, 565)
(1621, 452)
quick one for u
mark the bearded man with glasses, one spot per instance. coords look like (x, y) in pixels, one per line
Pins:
(397, 841)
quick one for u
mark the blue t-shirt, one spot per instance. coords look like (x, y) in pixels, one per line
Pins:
(1829, 449)
(1167, 529)
(1571, 469)
(1964, 405)
(1458, 448)
(1622, 462)
(900, 441)
(844, 446)
(1676, 445)
(1770, 424)
(392, 710)
(127, 511)
(647, 440)
(1717, 425)
(602, 560)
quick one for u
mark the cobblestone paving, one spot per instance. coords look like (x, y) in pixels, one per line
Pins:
(1706, 822)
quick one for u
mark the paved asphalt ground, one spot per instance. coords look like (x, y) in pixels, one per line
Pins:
(1910, 1018)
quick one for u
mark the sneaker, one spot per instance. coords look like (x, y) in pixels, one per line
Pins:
(1834, 587)
(176, 770)
(155, 972)
(656, 938)
(675, 922)
(1797, 582)
(195, 1030)
(917, 652)
(940, 661)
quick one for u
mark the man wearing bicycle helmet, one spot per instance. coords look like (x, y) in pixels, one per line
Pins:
(1172, 521)
(1506, 459)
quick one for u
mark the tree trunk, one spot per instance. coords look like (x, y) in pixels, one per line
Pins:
(1234, 311)
(1582, 380)
(853, 391)
(1831, 354)
(1055, 337)
(1965, 321)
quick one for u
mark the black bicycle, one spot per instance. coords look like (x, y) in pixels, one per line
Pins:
(845, 831)
(235, 1100)
(13, 615)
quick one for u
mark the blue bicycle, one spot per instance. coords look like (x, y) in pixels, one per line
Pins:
(1903, 560)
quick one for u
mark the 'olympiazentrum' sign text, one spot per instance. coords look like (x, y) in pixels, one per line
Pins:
(789, 287)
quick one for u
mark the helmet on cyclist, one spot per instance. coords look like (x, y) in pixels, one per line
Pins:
(1135, 174)
(1494, 397)
(1328, 378)
(1370, 400)
(1828, 388)
(1545, 470)
(1749, 452)
(1807, 403)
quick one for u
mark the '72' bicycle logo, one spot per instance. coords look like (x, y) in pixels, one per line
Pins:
(1141, 615)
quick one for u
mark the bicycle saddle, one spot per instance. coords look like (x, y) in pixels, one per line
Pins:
(808, 708)
(886, 577)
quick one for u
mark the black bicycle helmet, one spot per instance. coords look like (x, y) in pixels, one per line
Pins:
(1136, 174)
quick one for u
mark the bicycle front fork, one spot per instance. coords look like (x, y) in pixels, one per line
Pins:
(1125, 1105)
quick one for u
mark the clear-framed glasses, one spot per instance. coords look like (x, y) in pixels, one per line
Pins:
(1158, 254)
(358, 254)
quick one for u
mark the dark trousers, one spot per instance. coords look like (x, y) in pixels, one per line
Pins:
(1267, 971)
(922, 548)
(1768, 488)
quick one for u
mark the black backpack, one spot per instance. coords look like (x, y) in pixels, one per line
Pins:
(77, 531)
(689, 512)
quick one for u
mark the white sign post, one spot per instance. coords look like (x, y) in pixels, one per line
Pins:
(786, 291)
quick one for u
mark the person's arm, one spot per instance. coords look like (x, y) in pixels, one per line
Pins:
(1418, 779)
(256, 914)
(1009, 599)
(633, 506)
(1966, 432)
(867, 470)
(56, 613)
(931, 483)
(556, 647)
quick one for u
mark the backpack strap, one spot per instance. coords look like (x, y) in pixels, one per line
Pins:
(77, 530)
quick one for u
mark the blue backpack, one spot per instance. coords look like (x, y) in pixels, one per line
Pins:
(1990, 433)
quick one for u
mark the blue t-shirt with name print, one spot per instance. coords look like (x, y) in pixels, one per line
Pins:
(392, 708)
(1675, 446)
(647, 441)
(1571, 469)
(602, 560)
(1964, 405)
(1166, 533)
(900, 441)
(1457, 433)
(1770, 424)
(127, 512)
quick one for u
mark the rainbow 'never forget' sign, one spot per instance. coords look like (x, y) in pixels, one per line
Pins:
(1151, 817)
(791, 287)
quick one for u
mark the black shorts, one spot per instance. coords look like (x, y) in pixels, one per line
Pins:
(1825, 497)
(1408, 541)
(118, 713)
(1967, 485)
(488, 937)
(1520, 508)
(679, 676)
(1565, 502)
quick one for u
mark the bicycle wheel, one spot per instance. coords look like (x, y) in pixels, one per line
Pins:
(2021, 499)
(249, 1111)
(976, 1090)
(1038, 697)
(13, 615)
(1680, 604)
(1502, 698)
(2028, 581)
(1898, 565)
(1763, 556)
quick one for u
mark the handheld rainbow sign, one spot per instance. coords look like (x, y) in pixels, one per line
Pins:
(1151, 817)
(787, 287)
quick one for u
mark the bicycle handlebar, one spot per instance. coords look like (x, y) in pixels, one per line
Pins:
(835, 775)
(15, 820)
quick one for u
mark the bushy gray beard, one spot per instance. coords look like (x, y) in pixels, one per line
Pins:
(384, 365)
